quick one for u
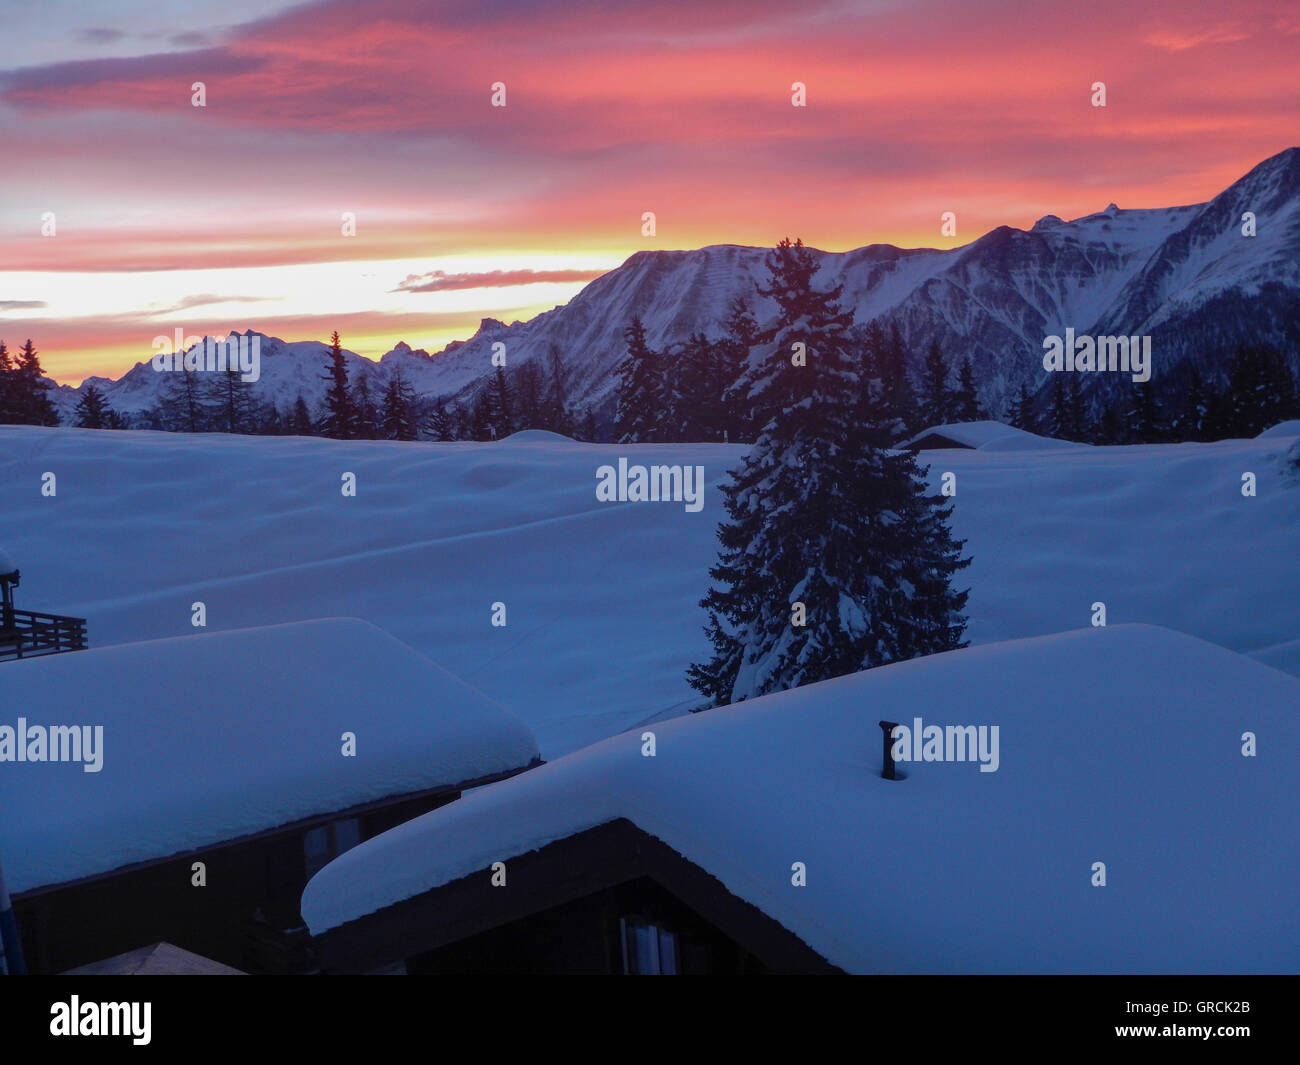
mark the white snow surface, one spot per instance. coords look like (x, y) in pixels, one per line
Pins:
(602, 599)
(995, 436)
(216, 735)
(1281, 429)
(1118, 744)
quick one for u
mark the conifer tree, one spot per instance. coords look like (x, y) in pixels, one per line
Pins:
(366, 413)
(556, 415)
(1191, 421)
(498, 406)
(340, 421)
(1261, 390)
(397, 416)
(698, 381)
(439, 425)
(31, 392)
(736, 417)
(300, 421)
(1021, 412)
(182, 405)
(966, 402)
(936, 398)
(1144, 417)
(834, 557)
(642, 396)
(1075, 410)
(1058, 412)
(899, 396)
(8, 388)
(231, 402)
(93, 411)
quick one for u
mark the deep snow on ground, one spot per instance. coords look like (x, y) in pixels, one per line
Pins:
(602, 598)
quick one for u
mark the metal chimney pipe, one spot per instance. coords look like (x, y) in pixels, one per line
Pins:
(887, 727)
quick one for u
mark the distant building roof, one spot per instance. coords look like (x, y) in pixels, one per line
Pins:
(161, 959)
(210, 737)
(1120, 745)
(988, 435)
(1282, 429)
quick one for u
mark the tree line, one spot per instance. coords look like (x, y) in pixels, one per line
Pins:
(704, 390)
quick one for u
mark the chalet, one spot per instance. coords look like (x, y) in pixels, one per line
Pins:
(766, 837)
(28, 634)
(984, 435)
(233, 766)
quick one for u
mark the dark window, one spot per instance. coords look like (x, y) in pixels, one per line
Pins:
(648, 949)
(322, 844)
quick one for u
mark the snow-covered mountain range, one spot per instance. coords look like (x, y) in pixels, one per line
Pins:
(1189, 276)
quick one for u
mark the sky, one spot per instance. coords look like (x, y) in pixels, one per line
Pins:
(231, 215)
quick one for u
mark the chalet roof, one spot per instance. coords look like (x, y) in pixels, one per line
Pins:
(1282, 429)
(1121, 745)
(160, 959)
(210, 737)
(987, 434)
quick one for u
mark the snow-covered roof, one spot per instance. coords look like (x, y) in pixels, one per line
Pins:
(1289, 428)
(988, 435)
(1120, 745)
(217, 735)
(6, 563)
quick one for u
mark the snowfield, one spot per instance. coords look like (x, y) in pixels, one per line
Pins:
(601, 599)
(951, 869)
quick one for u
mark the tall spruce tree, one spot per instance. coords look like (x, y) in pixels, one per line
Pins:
(397, 415)
(526, 396)
(300, 422)
(556, 415)
(834, 557)
(1058, 411)
(642, 395)
(736, 416)
(1021, 412)
(231, 403)
(31, 390)
(93, 411)
(1261, 390)
(340, 421)
(8, 388)
(966, 402)
(182, 405)
(366, 426)
(898, 385)
(1144, 416)
(1075, 410)
(1190, 423)
(498, 406)
(697, 382)
(438, 426)
(936, 398)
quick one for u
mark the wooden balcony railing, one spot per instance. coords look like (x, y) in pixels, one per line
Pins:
(28, 634)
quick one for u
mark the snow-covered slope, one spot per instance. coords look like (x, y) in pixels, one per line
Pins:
(1187, 275)
(1120, 745)
(602, 598)
(213, 736)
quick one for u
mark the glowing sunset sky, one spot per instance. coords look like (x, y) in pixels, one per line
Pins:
(229, 216)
